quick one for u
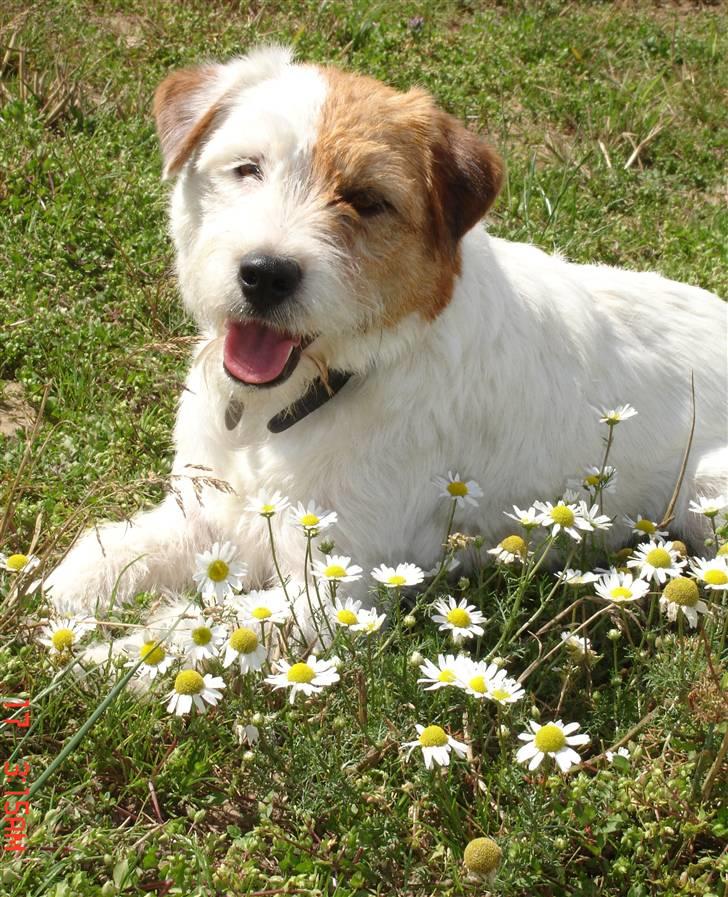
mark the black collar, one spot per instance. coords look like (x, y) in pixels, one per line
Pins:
(317, 394)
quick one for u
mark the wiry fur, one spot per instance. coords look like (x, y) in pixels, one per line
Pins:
(469, 353)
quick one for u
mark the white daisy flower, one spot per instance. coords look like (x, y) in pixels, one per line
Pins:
(218, 572)
(267, 504)
(436, 745)
(620, 752)
(553, 740)
(621, 587)
(503, 689)
(150, 647)
(198, 639)
(396, 577)
(579, 647)
(656, 560)
(528, 518)
(451, 565)
(461, 619)
(596, 478)
(463, 491)
(446, 672)
(576, 578)
(713, 574)
(346, 613)
(263, 606)
(190, 687)
(617, 415)
(19, 563)
(643, 526)
(310, 677)
(709, 507)
(336, 568)
(311, 518)
(245, 646)
(369, 622)
(681, 595)
(592, 515)
(63, 635)
(510, 550)
(562, 517)
(474, 676)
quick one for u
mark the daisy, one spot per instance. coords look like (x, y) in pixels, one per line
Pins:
(190, 687)
(462, 491)
(554, 740)
(643, 526)
(396, 577)
(63, 635)
(528, 518)
(336, 568)
(148, 647)
(346, 613)
(310, 677)
(681, 594)
(446, 672)
(503, 689)
(369, 622)
(579, 647)
(311, 518)
(245, 646)
(596, 478)
(621, 587)
(657, 560)
(709, 507)
(17, 563)
(436, 745)
(562, 517)
(510, 550)
(575, 577)
(463, 619)
(482, 857)
(592, 515)
(713, 574)
(218, 572)
(264, 606)
(474, 676)
(198, 639)
(267, 505)
(615, 415)
(621, 752)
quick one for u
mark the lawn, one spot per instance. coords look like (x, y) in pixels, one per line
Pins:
(611, 120)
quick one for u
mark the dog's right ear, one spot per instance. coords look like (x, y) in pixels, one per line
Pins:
(190, 102)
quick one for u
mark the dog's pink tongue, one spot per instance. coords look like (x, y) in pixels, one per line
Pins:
(255, 353)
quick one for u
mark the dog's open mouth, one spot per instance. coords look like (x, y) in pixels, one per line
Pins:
(258, 355)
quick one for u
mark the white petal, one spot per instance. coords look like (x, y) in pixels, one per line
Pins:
(526, 752)
(536, 761)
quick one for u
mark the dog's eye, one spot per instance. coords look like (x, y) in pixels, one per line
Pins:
(248, 170)
(367, 203)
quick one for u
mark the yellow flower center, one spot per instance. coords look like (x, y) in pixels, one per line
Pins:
(16, 562)
(152, 654)
(346, 617)
(659, 557)
(562, 515)
(244, 640)
(63, 639)
(202, 635)
(433, 736)
(446, 676)
(514, 545)
(500, 694)
(715, 577)
(592, 480)
(309, 520)
(680, 548)
(457, 489)
(620, 593)
(218, 570)
(267, 509)
(188, 682)
(682, 591)
(549, 739)
(300, 672)
(645, 526)
(397, 580)
(260, 613)
(459, 617)
(478, 683)
(335, 571)
(482, 856)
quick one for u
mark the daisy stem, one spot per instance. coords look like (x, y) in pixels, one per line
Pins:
(275, 559)
(307, 563)
(610, 439)
(447, 555)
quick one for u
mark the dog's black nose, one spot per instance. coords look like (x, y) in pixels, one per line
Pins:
(268, 279)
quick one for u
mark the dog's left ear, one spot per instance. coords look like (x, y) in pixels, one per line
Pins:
(466, 176)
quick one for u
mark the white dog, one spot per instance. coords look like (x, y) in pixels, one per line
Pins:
(326, 230)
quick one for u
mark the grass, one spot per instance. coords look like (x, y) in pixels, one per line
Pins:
(611, 121)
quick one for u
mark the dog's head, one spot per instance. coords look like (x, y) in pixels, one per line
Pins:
(313, 207)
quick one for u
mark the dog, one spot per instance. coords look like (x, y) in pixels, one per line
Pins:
(362, 333)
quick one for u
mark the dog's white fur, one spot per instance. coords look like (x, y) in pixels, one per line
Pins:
(505, 384)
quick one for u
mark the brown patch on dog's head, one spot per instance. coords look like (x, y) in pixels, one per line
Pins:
(404, 182)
